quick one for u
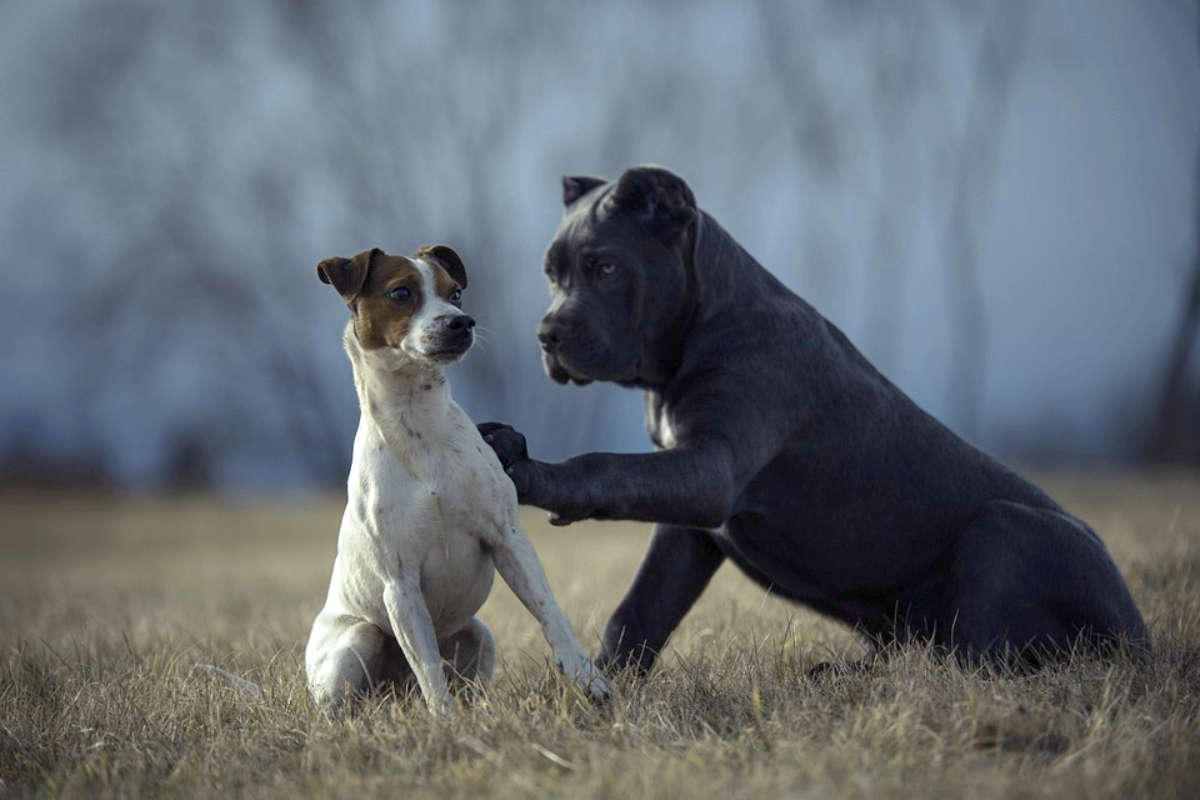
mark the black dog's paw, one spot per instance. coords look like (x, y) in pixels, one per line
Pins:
(562, 518)
(509, 446)
(506, 441)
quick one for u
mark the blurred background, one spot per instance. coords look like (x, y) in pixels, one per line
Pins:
(997, 200)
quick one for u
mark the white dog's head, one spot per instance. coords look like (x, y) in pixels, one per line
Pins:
(405, 310)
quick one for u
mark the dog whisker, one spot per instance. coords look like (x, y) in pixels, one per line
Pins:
(482, 336)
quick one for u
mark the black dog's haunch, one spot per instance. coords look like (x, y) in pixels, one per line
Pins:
(780, 447)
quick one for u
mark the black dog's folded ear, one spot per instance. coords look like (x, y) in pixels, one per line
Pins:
(347, 275)
(576, 186)
(449, 261)
(659, 196)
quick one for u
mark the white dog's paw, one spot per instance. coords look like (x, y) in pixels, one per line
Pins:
(440, 706)
(587, 678)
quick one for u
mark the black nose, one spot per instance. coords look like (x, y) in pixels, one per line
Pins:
(460, 322)
(551, 332)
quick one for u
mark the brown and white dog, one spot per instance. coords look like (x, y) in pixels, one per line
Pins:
(430, 512)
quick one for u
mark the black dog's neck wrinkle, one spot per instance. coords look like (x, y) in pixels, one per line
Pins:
(727, 277)
(722, 281)
(725, 286)
(668, 350)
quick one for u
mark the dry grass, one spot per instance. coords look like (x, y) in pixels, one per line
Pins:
(106, 604)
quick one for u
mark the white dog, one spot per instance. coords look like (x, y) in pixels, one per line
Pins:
(430, 510)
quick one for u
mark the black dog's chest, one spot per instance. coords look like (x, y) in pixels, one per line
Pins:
(663, 435)
(662, 422)
(657, 422)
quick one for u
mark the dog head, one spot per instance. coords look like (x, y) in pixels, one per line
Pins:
(405, 310)
(618, 275)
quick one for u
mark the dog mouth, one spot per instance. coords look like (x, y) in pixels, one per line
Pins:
(449, 352)
(560, 372)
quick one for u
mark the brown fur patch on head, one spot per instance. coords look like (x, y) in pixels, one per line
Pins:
(443, 282)
(381, 320)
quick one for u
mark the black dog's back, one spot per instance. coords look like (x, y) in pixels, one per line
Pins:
(872, 506)
(871, 502)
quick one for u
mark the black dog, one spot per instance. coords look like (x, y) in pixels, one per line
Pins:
(782, 448)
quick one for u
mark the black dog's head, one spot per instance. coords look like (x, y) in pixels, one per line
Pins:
(618, 277)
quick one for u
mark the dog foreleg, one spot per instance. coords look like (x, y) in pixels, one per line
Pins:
(518, 564)
(413, 629)
(677, 566)
(692, 486)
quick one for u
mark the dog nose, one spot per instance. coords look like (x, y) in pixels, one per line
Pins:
(550, 333)
(460, 322)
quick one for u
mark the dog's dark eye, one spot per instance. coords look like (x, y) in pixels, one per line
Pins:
(401, 294)
(455, 297)
(606, 268)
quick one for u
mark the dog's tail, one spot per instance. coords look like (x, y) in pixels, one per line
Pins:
(227, 677)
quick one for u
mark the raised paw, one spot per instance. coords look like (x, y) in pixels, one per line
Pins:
(508, 443)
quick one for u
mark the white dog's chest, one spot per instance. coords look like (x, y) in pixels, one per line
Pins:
(426, 510)
(443, 525)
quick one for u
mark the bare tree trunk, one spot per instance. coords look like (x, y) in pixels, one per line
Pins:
(812, 122)
(1176, 398)
(996, 66)
(900, 75)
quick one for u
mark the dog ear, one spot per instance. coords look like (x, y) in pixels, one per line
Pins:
(575, 187)
(660, 197)
(449, 261)
(347, 275)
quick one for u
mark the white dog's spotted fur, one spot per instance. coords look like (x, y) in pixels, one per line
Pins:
(430, 514)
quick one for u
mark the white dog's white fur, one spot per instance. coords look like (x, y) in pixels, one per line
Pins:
(430, 516)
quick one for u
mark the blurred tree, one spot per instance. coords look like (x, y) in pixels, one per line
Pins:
(905, 64)
(997, 62)
(174, 171)
(904, 68)
(1176, 429)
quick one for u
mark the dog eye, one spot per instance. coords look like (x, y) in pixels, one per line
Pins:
(606, 268)
(455, 297)
(401, 294)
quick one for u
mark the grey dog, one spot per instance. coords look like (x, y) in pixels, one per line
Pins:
(780, 447)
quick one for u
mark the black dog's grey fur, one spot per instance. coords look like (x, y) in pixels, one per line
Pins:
(783, 449)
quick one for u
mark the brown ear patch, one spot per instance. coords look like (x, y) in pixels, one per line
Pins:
(447, 259)
(347, 275)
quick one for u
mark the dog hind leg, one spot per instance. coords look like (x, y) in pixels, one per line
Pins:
(470, 653)
(1029, 583)
(345, 659)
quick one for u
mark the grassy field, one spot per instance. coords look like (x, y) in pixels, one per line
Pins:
(107, 604)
